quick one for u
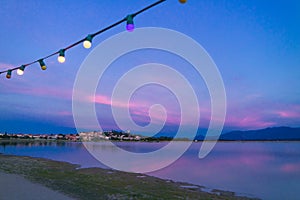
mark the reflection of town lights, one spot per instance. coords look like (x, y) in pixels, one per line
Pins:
(42, 63)
(88, 42)
(182, 1)
(130, 24)
(8, 75)
(20, 71)
(61, 58)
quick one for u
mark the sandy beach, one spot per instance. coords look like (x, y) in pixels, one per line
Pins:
(16, 187)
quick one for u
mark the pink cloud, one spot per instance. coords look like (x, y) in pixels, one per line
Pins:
(290, 167)
(105, 100)
(64, 113)
(6, 66)
(248, 122)
(138, 108)
(288, 114)
(101, 99)
(262, 115)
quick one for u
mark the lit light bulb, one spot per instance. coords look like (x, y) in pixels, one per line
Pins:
(20, 71)
(61, 58)
(42, 63)
(88, 42)
(8, 75)
(129, 24)
(182, 1)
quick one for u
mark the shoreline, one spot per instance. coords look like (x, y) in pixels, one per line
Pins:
(193, 141)
(98, 183)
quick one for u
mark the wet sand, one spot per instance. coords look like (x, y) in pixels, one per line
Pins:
(16, 187)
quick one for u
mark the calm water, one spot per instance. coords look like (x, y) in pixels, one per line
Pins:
(268, 170)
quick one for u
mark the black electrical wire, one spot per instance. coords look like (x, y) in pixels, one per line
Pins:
(82, 40)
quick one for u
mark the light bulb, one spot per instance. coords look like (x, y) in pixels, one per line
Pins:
(20, 71)
(88, 42)
(182, 1)
(8, 75)
(42, 64)
(129, 24)
(61, 58)
(130, 27)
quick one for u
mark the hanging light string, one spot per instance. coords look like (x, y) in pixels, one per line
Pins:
(87, 42)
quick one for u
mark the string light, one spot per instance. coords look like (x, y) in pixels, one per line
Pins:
(42, 64)
(21, 69)
(129, 23)
(61, 57)
(8, 75)
(87, 41)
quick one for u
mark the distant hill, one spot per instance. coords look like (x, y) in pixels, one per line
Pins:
(274, 133)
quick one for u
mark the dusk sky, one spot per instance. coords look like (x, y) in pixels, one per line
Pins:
(255, 45)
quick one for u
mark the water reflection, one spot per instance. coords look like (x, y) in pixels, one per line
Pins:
(269, 170)
(124, 159)
(29, 143)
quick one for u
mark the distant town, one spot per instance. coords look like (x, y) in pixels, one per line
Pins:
(92, 136)
(267, 134)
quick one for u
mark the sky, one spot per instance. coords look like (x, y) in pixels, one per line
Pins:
(255, 45)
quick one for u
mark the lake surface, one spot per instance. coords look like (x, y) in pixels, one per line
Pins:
(267, 170)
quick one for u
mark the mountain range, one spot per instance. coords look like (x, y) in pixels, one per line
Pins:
(267, 134)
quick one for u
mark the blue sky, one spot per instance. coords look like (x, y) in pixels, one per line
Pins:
(255, 44)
